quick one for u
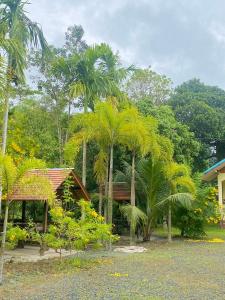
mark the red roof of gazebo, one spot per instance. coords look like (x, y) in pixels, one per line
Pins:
(56, 177)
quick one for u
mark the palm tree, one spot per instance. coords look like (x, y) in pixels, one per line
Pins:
(97, 74)
(134, 216)
(25, 32)
(105, 127)
(183, 199)
(181, 188)
(12, 175)
(109, 131)
(20, 30)
(139, 135)
(150, 188)
(150, 178)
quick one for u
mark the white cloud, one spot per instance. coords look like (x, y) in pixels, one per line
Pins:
(183, 39)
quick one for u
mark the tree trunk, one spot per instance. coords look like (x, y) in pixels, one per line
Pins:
(132, 199)
(84, 164)
(132, 230)
(100, 199)
(5, 125)
(3, 241)
(132, 193)
(169, 224)
(24, 203)
(60, 142)
(45, 221)
(67, 129)
(110, 187)
(4, 140)
(106, 191)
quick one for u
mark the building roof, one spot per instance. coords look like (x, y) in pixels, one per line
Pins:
(212, 172)
(55, 176)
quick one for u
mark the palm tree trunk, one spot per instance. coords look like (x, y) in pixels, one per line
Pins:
(131, 232)
(5, 125)
(169, 224)
(4, 140)
(106, 191)
(132, 194)
(132, 198)
(100, 199)
(3, 241)
(84, 164)
(110, 187)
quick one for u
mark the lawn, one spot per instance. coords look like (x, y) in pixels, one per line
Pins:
(181, 270)
(212, 231)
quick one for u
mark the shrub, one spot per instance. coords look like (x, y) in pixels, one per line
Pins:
(205, 210)
(15, 235)
(69, 233)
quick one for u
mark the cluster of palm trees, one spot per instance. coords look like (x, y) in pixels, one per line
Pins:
(93, 77)
(162, 182)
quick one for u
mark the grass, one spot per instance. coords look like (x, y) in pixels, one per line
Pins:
(212, 231)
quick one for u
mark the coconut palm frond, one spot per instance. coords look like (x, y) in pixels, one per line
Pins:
(184, 199)
(133, 215)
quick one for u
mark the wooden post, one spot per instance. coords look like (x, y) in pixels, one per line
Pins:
(24, 212)
(45, 223)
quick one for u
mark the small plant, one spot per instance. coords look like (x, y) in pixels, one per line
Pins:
(72, 234)
(14, 236)
(35, 236)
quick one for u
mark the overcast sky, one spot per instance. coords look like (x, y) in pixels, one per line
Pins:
(179, 38)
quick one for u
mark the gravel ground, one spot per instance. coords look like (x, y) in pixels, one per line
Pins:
(182, 270)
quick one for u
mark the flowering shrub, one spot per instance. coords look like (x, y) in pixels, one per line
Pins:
(14, 235)
(205, 210)
(68, 233)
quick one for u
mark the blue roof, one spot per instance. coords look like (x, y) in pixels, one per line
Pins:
(215, 166)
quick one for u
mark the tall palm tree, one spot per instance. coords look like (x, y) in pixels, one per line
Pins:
(97, 74)
(19, 28)
(109, 131)
(139, 135)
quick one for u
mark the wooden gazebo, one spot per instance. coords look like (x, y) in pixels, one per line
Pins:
(57, 178)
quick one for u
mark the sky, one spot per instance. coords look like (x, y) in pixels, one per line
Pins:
(182, 39)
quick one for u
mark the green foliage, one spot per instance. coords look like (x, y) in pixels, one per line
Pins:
(193, 221)
(35, 236)
(201, 108)
(134, 216)
(147, 85)
(185, 145)
(32, 132)
(14, 236)
(67, 196)
(66, 232)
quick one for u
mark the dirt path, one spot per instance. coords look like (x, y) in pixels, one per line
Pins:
(179, 271)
